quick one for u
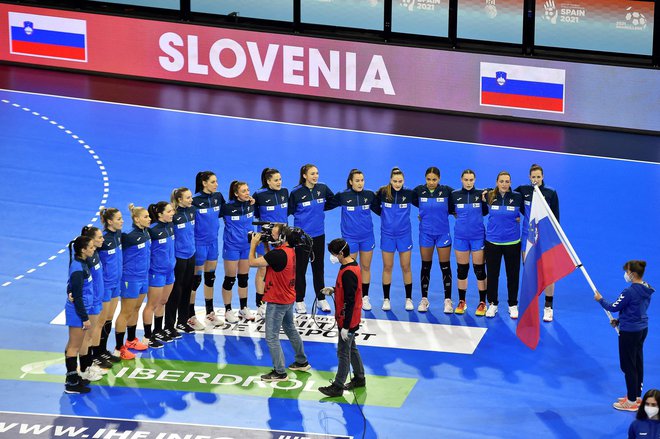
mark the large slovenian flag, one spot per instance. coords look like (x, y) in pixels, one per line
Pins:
(547, 259)
(523, 87)
(48, 37)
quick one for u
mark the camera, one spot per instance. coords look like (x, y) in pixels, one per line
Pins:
(295, 236)
(266, 232)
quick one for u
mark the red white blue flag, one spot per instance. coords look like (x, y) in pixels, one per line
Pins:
(48, 37)
(522, 87)
(547, 259)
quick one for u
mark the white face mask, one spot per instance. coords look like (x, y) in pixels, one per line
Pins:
(651, 411)
(334, 259)
(626, 277)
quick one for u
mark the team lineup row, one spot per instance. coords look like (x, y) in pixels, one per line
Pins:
(173, 246)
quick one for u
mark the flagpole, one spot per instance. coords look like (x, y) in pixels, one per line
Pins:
(568, 245)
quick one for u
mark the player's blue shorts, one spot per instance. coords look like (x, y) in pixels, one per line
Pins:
(439, 241)
(71, 316)
(464, 245)
(362, 245)
(132, 289)
(232, 254)
(161, 279)
(400, 243)
(112, 292)
(205, 252)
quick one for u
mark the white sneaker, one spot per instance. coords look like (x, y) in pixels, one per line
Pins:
(449, 307)
(97, 369)
(513, 311)
(491, 311)
(246, 314)
(409, 305)
(90, 375)
(325, 306)
(366, 303)
(547, 314)
(214, 320)
(423, 305)
(301, 308)
(261, 311)
(195, 324)
(386, 305)
(231, 317)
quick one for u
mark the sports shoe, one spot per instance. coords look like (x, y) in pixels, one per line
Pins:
(91, 375)
(95, 368)
(491, 311)
(110, 357)
(325, 306)
(548, 314)
(136, 344)
(261, 311)
(366, 303)
(172, 333)
(628, 406)
(638, 401)
(303, 367)
(481, 309)
(332, 391)
(386, 305)
(246, 314)
(356, 383)
(409, 305)
(74, 384)
(102, 362)
(513, 311)
(185, 328)
(301, 308)
(449, 307)
(214, 320)
(423, 305)
(274, 376)
(124, 353)
(230, 316)
(461, 308)
(195, 324)
(152, 342)
(162, 337)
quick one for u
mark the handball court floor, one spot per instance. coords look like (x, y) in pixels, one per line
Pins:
(70, 143)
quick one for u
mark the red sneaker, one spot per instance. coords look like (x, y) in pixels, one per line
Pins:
(124, 353)
(136, 344)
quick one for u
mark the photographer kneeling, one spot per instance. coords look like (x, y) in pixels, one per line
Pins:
(279, 295)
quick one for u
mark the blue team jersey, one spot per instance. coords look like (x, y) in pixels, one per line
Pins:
(238, 217)
(83, 298)
(184, 232)
(207, 216)
(308, 208)
(162, 259)
(356, 221)
(111, 257)
(504, 215)
(270, 205)
(467, 207)
(527, 191)
(433, 209)
(96, 267)
(137, 254)
(394, 212)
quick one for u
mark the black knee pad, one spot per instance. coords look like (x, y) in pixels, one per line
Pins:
(228, 283)
(243, 280)
(197, 281)
(462, 271)
(209, 278)
(480, 271)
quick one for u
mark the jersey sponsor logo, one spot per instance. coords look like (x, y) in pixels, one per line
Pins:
(162, 241)
(235, 218)
(89, 279)
(192, 222)
(349, 201)
(282, 198)
(267, 201)
(284, 205)
(234, 211)
(303, 197)
(526, 195)
(423, 200)
(181, 226)
(403, 198)
(366, 207)
(270, 207)
(139, 238)
(527, 203)
(307, 203)
(366, 200)
(350, 208)
(160, 233)
(250, 215)
(403, 205)
(388, 205)
(112, 252)
(216, 208)
(510, 208)
(203, 210)
(460, 206)
(318, 193)
(440, 200)
(459, 198)
(476, 204)
(320, 200)
(97, 266)
(177, 218)
(510, 200)
(495, 207)
(142, 245)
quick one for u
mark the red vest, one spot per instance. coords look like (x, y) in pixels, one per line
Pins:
(339, 297)
(281, 285)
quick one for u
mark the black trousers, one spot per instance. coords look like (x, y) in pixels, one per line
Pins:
(302, 260)
(631, 359)
(180, 296)
(511, 254)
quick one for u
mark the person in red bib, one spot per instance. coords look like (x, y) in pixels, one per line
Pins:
(348, 305)
(279, 295)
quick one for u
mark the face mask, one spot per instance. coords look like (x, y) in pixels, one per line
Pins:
(334, 259)
(651, 411)
(626, 277)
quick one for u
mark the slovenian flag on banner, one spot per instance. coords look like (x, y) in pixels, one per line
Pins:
(523, 87)
(48, 37)
(547, 259)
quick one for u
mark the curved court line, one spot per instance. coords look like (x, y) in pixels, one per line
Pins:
(95, 157)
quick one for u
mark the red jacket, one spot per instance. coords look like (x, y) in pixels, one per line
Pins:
(280, 285)
(348, 298)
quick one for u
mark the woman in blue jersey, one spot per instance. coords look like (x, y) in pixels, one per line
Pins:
(550, 195)
(307, 203)
(176, 309)
(393, 204)
(505, 207)
(80, 292)
(112, 261)
(207, 203)
(238, 214)
(271, 203)
(136, 248)
(357, 227)
(161, 275)
(432, 199)
(469, 234)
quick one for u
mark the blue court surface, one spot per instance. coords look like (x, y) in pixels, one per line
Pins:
(428, 375)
